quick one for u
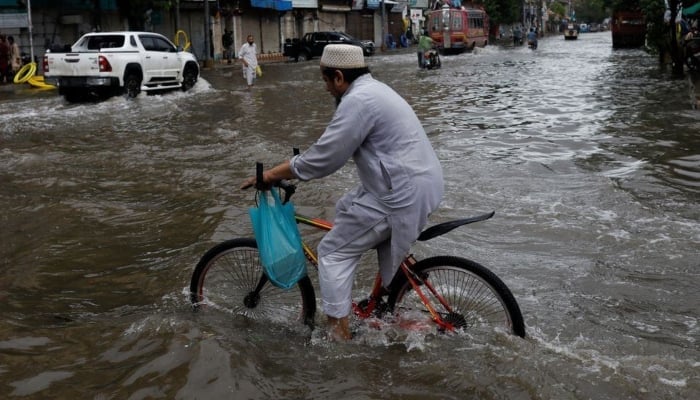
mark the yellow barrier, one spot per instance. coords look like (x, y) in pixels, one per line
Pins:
(177, 39)
(37, 81)
(25, 73)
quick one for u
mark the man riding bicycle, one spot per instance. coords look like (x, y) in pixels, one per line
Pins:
(401, 179)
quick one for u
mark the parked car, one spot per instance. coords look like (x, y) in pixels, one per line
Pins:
(312, 44)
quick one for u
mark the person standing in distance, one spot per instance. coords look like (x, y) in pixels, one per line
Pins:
(227, 42)
(249, 59)
(400, 178)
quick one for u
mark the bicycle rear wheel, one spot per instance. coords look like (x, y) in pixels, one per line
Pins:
(230, 277)
(476, 297)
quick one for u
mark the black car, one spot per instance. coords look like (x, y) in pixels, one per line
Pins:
(312, 44)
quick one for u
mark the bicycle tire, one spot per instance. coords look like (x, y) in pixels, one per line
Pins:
(226, 278)
(476, 295)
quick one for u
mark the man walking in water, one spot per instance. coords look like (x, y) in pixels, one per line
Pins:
(249, 59)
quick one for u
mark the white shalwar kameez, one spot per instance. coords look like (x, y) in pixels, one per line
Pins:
(400, 185)
(248, 53)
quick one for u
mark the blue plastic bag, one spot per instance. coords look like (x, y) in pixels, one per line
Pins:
(278, 240)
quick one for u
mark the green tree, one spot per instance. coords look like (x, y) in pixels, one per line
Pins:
(591, 11)
(558, 9)
(503, 11)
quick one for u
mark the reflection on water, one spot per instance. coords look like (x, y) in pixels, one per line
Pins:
(590, 158)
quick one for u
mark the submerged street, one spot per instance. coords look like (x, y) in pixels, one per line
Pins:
(589, 156)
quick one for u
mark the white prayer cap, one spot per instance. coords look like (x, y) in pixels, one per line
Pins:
(343, 56)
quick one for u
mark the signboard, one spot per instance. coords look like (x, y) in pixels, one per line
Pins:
(279, 5)
(373, 4)
(10, 21)
(419, 4)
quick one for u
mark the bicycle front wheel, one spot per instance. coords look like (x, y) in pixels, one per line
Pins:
(230, 277)
(473, 296)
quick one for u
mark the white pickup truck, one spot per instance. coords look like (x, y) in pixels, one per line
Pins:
(103, 64)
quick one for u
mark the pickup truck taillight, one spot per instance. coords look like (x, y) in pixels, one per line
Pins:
(45, 64)
(105, 66)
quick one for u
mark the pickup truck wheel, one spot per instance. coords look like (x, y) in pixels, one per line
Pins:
(303, 56)
(189, 78)
(73, 95)
(132, 85)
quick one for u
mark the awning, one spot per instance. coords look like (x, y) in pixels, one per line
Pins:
(279, 5)
(374, 4)
(694, 9)
(11, 21)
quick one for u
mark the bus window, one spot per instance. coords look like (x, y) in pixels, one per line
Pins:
(456, 21)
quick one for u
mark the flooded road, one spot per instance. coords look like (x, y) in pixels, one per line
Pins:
(590, 158)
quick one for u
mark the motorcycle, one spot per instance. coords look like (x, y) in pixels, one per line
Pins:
(431, 59)
(532, 44)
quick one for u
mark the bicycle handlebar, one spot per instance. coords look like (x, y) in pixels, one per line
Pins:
(288, 187)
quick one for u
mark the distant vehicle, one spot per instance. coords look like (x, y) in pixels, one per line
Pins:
(313, 43)
(432, 59)
(571, 32)
(628, 29)
(456, 30)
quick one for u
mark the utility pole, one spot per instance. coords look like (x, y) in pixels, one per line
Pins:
(29, 22)
(177, 15)
(383, 46)
(207, 61)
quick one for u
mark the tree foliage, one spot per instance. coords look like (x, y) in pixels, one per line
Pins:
(558, 9)
(591, 11)
(503, 11)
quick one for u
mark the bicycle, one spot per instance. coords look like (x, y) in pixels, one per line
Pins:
(456, 293)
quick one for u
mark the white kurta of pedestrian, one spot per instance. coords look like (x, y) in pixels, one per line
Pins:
(400, 182)
(248, 53)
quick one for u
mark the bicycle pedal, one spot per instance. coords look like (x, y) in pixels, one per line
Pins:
(379, 309)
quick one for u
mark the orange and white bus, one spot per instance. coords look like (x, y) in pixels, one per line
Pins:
(455, 30)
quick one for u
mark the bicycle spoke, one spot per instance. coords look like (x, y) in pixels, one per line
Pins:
(230, 278)
(465, 294)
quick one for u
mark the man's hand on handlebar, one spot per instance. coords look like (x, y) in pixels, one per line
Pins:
(269, 177)
(253, 182)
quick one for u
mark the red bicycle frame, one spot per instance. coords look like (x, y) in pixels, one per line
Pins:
(367, 309)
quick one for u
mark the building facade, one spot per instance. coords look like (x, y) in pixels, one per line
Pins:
(40, 25)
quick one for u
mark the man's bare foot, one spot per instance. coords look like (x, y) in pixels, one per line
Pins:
(339, 329)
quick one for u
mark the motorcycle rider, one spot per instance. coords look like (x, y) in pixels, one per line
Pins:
(517, 36)
(425, 43)
(532, 38)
